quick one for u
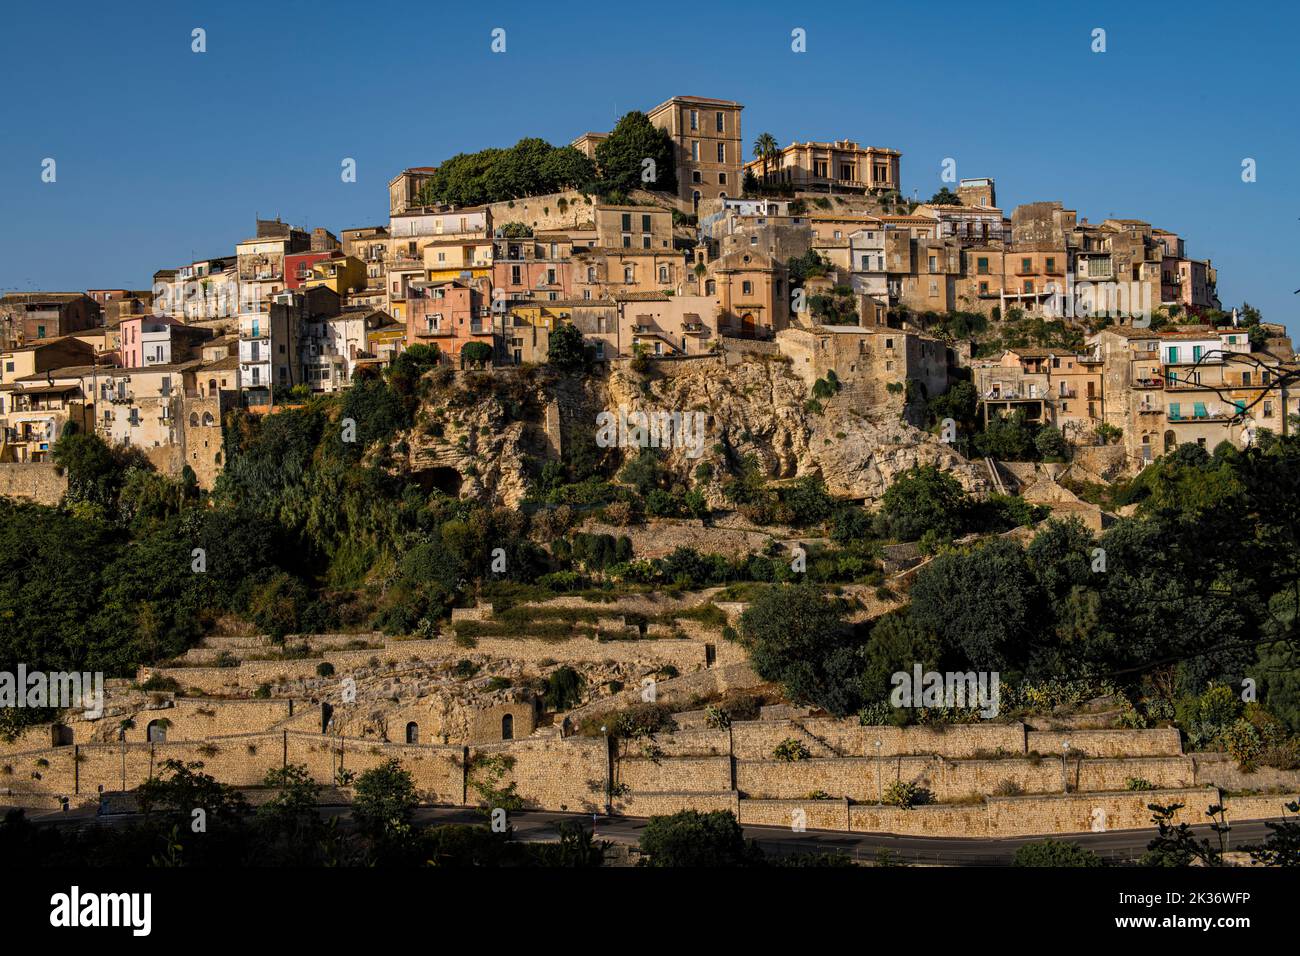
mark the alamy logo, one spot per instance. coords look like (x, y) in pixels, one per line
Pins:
(74, 909)
(59, 689)
(1100, 298)
(653, 429)
(953, 689)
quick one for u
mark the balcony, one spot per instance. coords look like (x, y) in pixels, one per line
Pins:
(405, 264)
(1217, 415)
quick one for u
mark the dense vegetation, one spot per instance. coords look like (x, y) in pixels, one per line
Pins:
(1183, 608)
(533, 167)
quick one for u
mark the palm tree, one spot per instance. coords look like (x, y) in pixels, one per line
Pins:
(766, 149)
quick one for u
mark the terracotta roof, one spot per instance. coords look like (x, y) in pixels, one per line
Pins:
(641, 297)
(17, 297)
(227, 364)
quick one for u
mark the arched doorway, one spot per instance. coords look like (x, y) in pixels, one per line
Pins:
(1171, 441)
(695, 200)
(508, 727)
(156, 732)
(412, 733)
(61, 735)
(326, 715)
(747, 324)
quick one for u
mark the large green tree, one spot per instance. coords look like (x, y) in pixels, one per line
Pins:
(623, 157)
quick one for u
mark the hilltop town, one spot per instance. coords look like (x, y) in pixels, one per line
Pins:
(346, 505)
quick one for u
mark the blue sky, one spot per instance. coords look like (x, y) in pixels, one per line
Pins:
(165, 155)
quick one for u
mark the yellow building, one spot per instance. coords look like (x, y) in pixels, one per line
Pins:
(344, 275)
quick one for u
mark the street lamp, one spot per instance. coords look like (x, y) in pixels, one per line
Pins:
(1065, 780)
(879, 784)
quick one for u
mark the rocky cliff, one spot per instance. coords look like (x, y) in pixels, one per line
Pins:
(482, 436)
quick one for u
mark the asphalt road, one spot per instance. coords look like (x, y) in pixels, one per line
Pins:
(539, 825)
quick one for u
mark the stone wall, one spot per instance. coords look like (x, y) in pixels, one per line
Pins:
(680, 774)
(827, 737)
(1107, 743)
(544, 213)
(38, 482)
(569, 774)
(1077, 813)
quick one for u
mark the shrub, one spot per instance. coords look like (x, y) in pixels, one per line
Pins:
(1054, 853)
(905, 794)
(790, 750)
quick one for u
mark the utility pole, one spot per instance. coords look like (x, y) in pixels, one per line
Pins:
(1065, 780)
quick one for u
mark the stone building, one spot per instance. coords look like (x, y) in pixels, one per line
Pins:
(26, 317)
(707, 145)
(867, 361)
(839, 166)
(404, 188)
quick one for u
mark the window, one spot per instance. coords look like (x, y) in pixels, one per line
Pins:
(627, 241)
(627, 222)
(695, 150)
(1029, 286)
(1245, 378)
(645, 242)
(719, 122)
(1268, 409)
(1196, 353)
(1026, 265)
(722, 152)
(695, 176)
(1171, 355)
(1051, 263)
(695, 119)
(933, 261)
(984, 288)
(722, 179)
(628, 274)
(982, 265)
(747, 288)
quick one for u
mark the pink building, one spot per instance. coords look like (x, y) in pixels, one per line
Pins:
(448, 314)
(146, 340)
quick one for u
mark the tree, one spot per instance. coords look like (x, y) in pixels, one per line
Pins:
(1282, 846)
(1177, 846)
(922, 499)
(568, 168)
(766, 149)
(566, 350)
(1050, 444)
(1055, 853)
(796, 636)
(945, 197)
(622, 157)
(1008, 437)
(983, 604)
(476, 353)
(896, 644)
(691, 838)
(384, 802)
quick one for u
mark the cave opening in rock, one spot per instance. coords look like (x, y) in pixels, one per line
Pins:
(440, 478)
